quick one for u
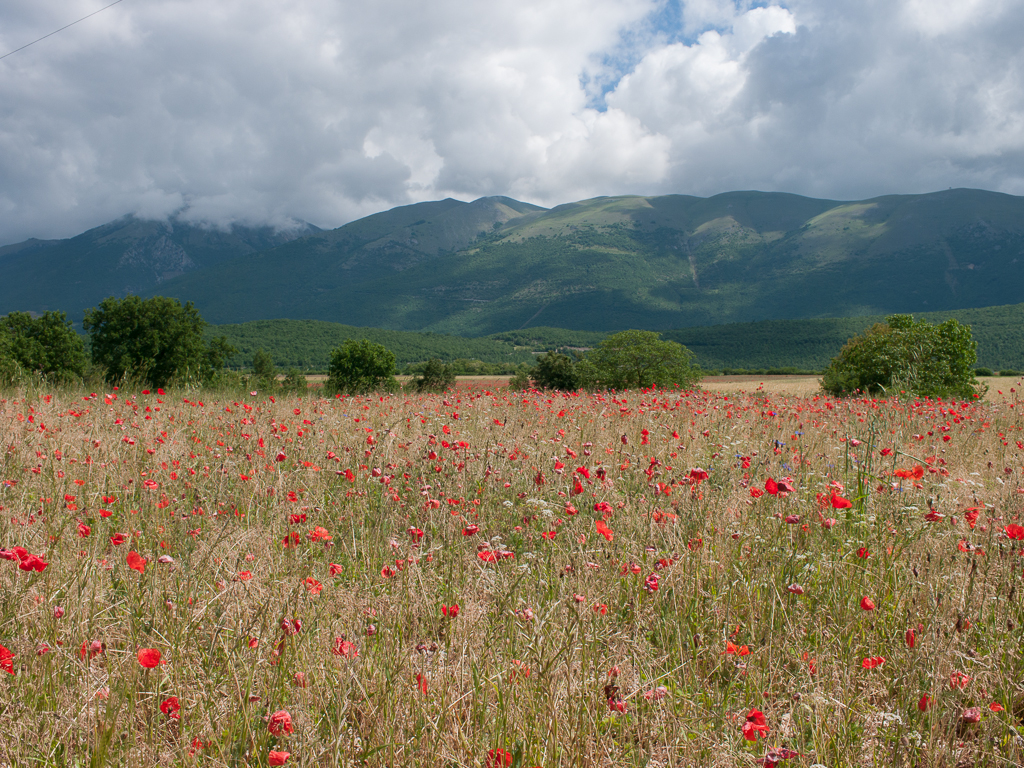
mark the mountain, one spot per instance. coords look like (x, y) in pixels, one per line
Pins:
(632, 262)
(610, 263)
(129, 255)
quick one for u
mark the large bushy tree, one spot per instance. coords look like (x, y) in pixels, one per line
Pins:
(633, 359)
(358, 367)
(153, 341)
(904, 355)
(45, 345)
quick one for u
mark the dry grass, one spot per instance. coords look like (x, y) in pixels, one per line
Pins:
(558, 650)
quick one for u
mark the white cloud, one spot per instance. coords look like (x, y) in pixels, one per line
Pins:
(326, 110)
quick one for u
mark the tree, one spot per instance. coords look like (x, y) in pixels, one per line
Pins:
(633, 359)
(358, 367)
(263, 368)
(47, 345)
(154, 341)
(901, 355)
(556, 371)
(435, 377)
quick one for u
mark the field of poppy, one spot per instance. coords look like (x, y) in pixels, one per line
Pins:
(487, 578)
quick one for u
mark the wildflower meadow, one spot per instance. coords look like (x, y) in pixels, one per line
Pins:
(507, 580)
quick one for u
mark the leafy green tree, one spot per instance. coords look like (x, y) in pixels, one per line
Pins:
(435, 377)
(633, 359)
(154, 341)
(901, 355)
(47, 345)
(556, 371)
(263, 365)
(358, 367)
(264, 369)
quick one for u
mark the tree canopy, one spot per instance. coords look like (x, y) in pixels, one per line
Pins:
(154, 340)
(633, 359)
(358, 367)
(46, 345)
(904, 355)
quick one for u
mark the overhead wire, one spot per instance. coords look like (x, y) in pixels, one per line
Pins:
(11, 53)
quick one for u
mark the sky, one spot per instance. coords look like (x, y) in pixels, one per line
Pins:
(272, 111)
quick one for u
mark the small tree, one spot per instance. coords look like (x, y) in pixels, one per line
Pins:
(556, 371)
(264, 369)
(153, 340)
(632, 359)
(435, 377)
(906, 356)
(46, 345)
(358, 367)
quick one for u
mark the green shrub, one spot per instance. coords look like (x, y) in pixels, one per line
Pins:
(902, 355)
(358, 367)
(295, 381)
(556, 371)
(1009, 372)
(435, 377)
(983, 372)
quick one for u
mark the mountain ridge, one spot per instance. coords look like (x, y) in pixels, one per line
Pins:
(604, 264)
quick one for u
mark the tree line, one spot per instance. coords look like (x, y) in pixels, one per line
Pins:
(158, 341)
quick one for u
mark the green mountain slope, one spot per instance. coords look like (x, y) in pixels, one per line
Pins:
(621, 262)
(129, 255)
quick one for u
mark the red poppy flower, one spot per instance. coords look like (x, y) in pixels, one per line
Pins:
(498, 758)
(118, 539)
(343, 647)
(314, 586)
(604, 530)
(278, 758)
(84, 531)
(995, 706)
(149, 657)
(872, 662)
(6, 660)
(925, 702)
(972, 715)
(32, 563)
(736, 650)
(1015, 531)
(171, 707)
(450, 611)
(867, 603)
(911, 638)
(838, 502)
(280, 723)
(771, 486)
(334, 569)
(136, 561)
(756, 725)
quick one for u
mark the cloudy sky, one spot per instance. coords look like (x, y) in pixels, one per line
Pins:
(328, 110)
